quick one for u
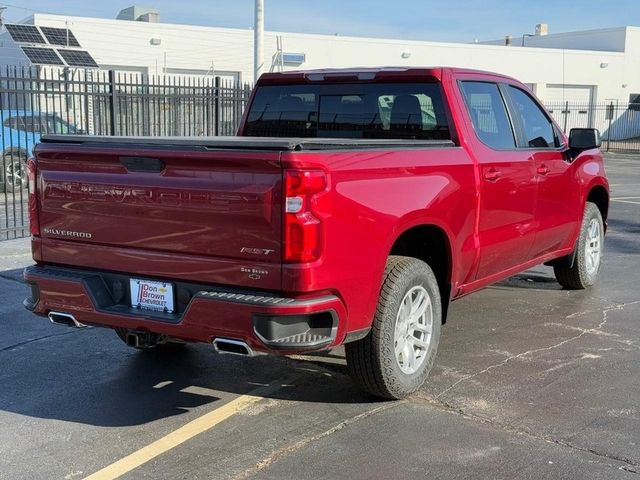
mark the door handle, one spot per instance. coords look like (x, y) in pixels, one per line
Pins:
(492, 175)
(543, 170)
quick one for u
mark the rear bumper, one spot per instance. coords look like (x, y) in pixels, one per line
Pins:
(267, 323)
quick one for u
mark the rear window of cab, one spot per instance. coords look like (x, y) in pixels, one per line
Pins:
(373, 111)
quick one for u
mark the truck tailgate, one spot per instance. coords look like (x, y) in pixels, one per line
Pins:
(203, 215)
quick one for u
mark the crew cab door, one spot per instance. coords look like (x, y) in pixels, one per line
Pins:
(557, 211)
(508, 188)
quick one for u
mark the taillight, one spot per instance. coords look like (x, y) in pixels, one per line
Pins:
(303, 230)
(32, 175)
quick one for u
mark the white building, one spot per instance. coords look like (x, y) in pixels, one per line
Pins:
(586, 67)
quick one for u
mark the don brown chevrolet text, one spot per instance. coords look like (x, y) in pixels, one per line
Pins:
(351, 208)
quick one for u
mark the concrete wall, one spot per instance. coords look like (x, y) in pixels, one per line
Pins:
(122, 44)
(531, 65)
(126, 45)
(631, 74)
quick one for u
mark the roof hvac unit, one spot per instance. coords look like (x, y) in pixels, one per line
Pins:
(139, 14)
(542, 29)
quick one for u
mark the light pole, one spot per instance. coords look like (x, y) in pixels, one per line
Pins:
(258, 40)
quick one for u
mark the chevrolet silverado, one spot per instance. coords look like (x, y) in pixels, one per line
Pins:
(352, 208)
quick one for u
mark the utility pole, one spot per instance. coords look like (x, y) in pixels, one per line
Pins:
(258, 40)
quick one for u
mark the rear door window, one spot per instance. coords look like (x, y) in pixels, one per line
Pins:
(32, 124)
(53, 124)
(489, 114)
(376, 110)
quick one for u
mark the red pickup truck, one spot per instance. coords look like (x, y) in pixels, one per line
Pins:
(351, 208)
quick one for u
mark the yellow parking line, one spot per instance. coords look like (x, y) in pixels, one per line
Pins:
(182, 434)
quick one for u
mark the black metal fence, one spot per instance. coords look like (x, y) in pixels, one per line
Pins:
(619, 124)
(37, 101)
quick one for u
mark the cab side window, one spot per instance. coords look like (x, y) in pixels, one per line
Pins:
(21, 123)
(14, 123)
(489, 114)
(537, 127)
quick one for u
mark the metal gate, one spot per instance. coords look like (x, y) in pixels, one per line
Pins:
(38, 101)
(619, 124)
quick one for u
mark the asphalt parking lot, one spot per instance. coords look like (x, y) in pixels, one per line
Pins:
(530, 382)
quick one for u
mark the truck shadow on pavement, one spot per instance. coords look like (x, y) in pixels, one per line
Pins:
(88, 376)
(534, 280)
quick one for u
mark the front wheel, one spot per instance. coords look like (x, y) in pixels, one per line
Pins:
(588, 255)
(394, 360)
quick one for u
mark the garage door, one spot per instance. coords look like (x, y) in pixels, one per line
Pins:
(570, 105)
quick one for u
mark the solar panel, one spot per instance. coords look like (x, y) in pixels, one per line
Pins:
(77, 58)
(42, 56)
(25, 33)
(60, 36)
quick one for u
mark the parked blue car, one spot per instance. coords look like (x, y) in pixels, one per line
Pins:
(21, 131)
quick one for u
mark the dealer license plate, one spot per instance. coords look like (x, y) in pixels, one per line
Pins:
(149, 295)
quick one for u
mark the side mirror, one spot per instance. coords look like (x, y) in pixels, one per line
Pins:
(584, 138)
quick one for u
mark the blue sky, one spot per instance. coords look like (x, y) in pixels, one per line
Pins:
(453, 20)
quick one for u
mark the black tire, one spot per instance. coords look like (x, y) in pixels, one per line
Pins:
(372, 361)
(579, 276)
(168, 346)
(14, 167)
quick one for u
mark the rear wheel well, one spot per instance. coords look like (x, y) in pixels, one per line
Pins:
(600, 197)
(431, 245)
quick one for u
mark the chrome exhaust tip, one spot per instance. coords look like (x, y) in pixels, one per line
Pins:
(233, 347)
(65, 319)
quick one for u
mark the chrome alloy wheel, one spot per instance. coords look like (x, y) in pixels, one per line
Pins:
(414, 325)
(593, 247)
(15, 174)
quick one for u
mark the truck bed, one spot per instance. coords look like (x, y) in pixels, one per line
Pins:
(247, 143)
(202, 209)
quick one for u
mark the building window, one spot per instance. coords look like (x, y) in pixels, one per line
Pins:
(634, 102)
